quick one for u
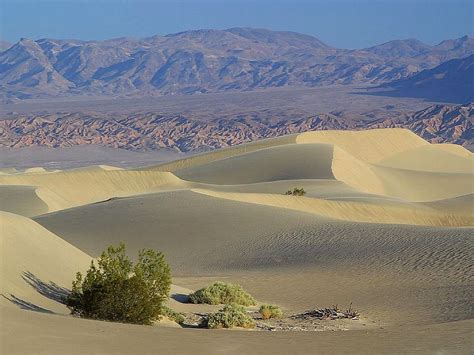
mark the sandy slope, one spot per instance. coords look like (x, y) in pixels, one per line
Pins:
(21, 200)
(297, 161)
(386, 224)
(369, 146)
(286, 162)
(363, 210)
(33, 257)
(315, 259)
(82, 186)
(61, 335)
(431, 158)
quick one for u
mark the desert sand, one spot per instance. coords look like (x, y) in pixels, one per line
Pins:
(387, 224)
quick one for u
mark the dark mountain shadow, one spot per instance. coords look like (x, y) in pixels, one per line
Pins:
(50, 290)
(426, 95)
(25, 304)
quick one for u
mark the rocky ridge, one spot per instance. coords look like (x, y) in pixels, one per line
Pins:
(152, 131)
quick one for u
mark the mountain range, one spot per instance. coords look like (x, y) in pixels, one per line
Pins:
(203, 61)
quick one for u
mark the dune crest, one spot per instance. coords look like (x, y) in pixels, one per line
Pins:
(363, 211)
(389, 163)
(72, 188)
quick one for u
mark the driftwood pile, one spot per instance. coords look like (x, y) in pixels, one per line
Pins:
(328, 313)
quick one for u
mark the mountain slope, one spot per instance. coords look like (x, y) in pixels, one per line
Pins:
(207, 61)
(451, 81)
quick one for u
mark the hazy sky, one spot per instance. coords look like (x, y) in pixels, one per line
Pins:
(340, 23)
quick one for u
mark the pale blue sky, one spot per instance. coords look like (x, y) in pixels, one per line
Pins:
(340, 23)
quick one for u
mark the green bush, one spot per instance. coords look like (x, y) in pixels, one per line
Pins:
(173, 315)
(270, 311)
(296, 192)
(232, 315)
(221, 292)
(117, 290)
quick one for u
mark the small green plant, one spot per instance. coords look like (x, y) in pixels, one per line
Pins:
(270, 311)
(221, 292)
(232, 315)
(296, 192)
(118, 290)
(173, 315)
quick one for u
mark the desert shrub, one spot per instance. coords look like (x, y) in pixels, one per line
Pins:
(270, 311)
(118, 290)
(221, 292)
(296, 192)
(173, 315)
(232, 315)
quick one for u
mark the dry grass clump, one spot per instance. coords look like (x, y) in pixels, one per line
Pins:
(232, 315)
(296, 192)
(222, 293)
(270, 311)
(350, 312)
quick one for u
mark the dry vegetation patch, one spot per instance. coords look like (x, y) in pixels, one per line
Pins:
(222, 293)
(230, 316)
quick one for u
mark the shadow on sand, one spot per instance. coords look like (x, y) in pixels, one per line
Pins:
(49, 290)
(25, 304)
(180, 297)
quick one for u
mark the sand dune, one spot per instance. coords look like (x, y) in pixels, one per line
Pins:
(223, 153)
(455, 149)
(318, 188)
(387, 224)
(36, 261)
(462, 205)
(21, 200)
(73, 188)
(291, 161)
(423, 186)
(308, 256)
(4, 171)
(362, 210)
(323, 161)
(38, 267)
(347, 159)
(369, 146)
(431, 158)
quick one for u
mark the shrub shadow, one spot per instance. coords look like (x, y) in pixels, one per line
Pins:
(25, 304)
(180, 297)
(49, 290)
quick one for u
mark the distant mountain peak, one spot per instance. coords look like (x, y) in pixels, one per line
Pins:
(400, 48)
